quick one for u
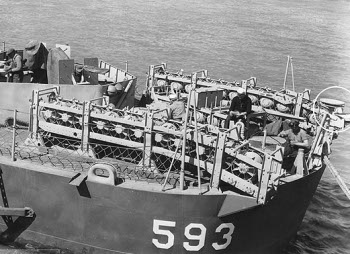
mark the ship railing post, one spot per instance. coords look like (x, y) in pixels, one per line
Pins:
(264, 179)
(147, 143)
(34, 137)
(219, 158)
(271, 173)
(30, 128)
(150, 79)
(197, 143)
(183, 156)
(317, 142)
(85, 126)
(14, 134)
(35, 108)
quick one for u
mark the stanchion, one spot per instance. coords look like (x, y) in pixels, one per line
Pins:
(182, 171)
(14, 133)
(197, 143)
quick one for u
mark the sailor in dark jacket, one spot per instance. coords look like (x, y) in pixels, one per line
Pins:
(241, 106)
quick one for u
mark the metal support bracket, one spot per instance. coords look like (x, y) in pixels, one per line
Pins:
(219, 155)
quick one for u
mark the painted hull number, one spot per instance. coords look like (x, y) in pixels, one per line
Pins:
(163, 228)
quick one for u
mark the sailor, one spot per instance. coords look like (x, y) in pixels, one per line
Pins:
(14, 68)
(177, 109)
(296, 137)
(114, 93)
(241, 107)
(296, 147)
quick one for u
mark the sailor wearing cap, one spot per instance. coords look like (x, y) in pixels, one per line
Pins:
(177, 109)
(13, 66)
(297, 144)
(241, 106)
(114, 93)
(297, 137)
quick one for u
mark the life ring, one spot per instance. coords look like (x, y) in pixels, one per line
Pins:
(93, 177)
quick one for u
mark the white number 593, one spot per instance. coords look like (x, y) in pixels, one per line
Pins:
(197, 240)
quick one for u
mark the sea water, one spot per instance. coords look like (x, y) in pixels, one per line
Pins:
(233, 40)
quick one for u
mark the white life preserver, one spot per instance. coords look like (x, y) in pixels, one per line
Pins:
(93, 177)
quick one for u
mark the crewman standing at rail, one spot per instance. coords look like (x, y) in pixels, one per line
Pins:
(14, 66)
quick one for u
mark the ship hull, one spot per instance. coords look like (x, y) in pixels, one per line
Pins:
(98, 218)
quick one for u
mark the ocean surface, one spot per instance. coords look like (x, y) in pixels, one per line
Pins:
(233, 40)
